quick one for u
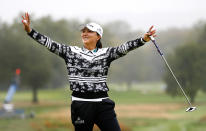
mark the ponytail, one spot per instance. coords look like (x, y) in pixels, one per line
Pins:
(99, 44)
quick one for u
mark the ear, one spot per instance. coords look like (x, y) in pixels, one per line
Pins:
(98, 37)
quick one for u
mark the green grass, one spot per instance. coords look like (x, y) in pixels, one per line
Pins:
(52, 100)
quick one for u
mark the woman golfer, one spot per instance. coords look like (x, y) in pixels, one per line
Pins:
(87, 70)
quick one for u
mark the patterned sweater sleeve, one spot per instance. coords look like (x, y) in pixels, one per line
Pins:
(53, 46)
(122, 50)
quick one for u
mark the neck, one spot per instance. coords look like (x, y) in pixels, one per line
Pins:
(90, 46)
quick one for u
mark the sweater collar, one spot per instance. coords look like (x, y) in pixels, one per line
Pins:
(85, 50)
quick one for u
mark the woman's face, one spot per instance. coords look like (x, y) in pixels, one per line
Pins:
(89, 37)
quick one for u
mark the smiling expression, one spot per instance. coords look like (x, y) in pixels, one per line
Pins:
(89, 37)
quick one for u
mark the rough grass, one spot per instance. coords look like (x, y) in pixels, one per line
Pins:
(136, 109)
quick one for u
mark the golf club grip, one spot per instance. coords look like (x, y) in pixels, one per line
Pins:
(153, 41)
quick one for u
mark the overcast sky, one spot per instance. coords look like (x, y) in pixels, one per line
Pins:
(140, 14)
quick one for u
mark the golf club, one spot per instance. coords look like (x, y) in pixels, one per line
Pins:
(191, 108)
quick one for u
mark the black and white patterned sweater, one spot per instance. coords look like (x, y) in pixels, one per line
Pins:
(87, 70)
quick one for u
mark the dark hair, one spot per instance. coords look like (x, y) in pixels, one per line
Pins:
(99, 44)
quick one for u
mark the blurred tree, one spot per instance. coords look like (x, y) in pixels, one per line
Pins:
(17, 52)
(188, 63)
(198, 32)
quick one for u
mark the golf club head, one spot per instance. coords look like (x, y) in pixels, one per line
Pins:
(190, 109)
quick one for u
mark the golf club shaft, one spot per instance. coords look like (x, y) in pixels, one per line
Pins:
(161, 54)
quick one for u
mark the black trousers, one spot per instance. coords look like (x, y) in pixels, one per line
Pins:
(85, 114)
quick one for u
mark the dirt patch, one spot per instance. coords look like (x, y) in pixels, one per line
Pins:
(122, 110)
(203, 119)
(148, 111)
(128, 111)
(151, 111)
(63, 113)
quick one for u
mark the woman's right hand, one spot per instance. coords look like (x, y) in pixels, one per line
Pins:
(26, 22)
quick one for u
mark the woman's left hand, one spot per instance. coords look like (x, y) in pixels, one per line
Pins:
(149, 33)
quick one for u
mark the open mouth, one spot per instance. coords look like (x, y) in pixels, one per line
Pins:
(85, 38)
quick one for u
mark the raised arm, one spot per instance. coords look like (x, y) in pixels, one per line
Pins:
(119, 51)
(53, 46)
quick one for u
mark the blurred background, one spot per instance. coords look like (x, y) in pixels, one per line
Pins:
(146, 95)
